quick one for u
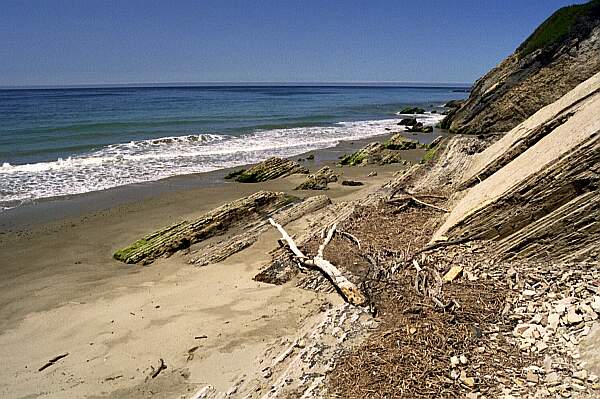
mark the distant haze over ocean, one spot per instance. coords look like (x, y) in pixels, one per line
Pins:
(60, 141)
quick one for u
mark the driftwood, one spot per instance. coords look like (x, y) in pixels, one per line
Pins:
(52, 361)
(183, 234)
(161, 366)
(417, 201)
(348, 290)
(222, 250)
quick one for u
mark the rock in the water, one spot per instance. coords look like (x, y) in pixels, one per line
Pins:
(399, 142)
(412, 110)
(352, 183)
(269, 169)
(319, 179)
(407, 122)
(454, 103)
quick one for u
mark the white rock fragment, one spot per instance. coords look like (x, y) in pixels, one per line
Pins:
(581, 375)
(573, 317)
(454, 361)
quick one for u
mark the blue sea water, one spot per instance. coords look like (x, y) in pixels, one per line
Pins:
(56, 142)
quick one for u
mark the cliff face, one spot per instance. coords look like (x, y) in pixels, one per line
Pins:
(536, 191)
(560, 54)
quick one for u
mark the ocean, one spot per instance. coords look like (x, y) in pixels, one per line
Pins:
(64, 141)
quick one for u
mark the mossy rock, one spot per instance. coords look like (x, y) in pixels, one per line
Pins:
(185, 233)
(412, 110)
(319, 179)
(234, 174)
(363, 156)
(407, 122)
(270, 169)
(399, 142)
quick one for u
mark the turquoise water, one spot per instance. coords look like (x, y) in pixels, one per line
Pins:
(57, 142)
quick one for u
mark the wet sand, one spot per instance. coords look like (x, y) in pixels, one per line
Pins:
(62, 292)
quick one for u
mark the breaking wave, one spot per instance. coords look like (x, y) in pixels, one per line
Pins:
(154, 159)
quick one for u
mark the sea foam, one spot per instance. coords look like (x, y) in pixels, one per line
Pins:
(154, 159)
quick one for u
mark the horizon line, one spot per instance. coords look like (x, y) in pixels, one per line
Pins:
(240, 83)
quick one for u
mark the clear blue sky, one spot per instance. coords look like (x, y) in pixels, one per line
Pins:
(55, 42)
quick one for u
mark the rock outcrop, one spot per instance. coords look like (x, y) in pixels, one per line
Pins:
(269, 169)
(185, 233)
(319, 180)
(537, 190)
(399, 142)
(560, 54)
(380, 154)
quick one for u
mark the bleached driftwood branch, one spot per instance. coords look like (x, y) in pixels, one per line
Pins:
(349, 291)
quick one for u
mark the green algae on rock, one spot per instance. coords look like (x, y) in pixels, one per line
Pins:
(185, 233)
(269, 169)
(319, 179)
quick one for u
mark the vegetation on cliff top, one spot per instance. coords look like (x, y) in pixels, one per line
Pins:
(566, 23)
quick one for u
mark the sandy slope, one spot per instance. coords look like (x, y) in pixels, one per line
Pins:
(62, 292)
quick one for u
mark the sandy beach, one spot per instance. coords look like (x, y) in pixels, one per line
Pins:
(62, 292)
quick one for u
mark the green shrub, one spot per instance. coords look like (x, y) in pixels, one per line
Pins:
(562, 25)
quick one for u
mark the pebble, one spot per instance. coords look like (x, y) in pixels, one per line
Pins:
(581, 375)
(468, 381)
(532, 377)
(552, 378)
(573, 318)
(454, 361)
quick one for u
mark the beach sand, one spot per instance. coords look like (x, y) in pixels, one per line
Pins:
(62, 292)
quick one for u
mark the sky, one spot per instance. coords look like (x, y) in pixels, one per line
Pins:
(81, 42)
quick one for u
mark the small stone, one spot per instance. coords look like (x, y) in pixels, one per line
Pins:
(565, 393)
(452, 274)
(581, 375)
(592, 378)
(595, 304)
(520, 329)
(454, 361)
(301, 343)
(532, 377)
(537, 319)
(578, 387)
(553, 320)
(541, 346)
(560, 308)
(528, 293)
(463, 359)
(573, 318)
(468, 381)
(552, 378)
(473, 395)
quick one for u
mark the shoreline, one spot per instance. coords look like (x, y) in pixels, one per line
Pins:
(55, 209)
(63, 290)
